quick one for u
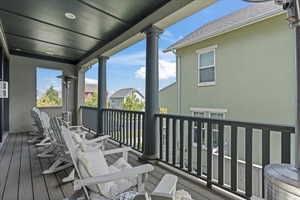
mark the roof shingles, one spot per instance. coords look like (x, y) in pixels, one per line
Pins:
(243, 16)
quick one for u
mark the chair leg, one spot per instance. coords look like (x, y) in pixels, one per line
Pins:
(70, 177)
(35, 140)
(44, 142)
(56, 167)
(47, 152)
(77, 195)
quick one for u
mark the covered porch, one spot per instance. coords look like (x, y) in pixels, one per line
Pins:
(71, 36)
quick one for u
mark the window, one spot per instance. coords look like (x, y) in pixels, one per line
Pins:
(207, 66)
(208, 113)
(48, 88)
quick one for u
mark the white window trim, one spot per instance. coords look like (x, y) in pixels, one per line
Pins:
(207, 111)
(202, 51)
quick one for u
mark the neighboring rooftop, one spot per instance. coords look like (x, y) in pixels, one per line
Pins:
(91, 85)
(238, 19)
(168, 86)
(124, 93)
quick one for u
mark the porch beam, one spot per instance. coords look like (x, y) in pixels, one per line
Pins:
(151, 107)
(102, 60)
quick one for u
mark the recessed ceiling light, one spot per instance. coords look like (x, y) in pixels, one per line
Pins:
(18, 49)
(49, 53)
(70, 15)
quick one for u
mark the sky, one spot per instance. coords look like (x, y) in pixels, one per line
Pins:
(46, 78)
(127, 68)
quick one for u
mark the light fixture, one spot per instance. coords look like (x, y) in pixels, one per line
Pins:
(70, 15)
(17, 49)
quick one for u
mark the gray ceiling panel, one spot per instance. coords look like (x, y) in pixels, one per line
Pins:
(41, 48)
(44, 32)
(37, 26)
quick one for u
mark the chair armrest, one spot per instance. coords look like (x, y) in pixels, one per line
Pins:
(78, 127)
(96, 140)
(118, 150)
(166, 187)
(126, 173)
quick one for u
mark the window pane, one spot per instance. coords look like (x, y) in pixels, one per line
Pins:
(217, 115)
(207, 75)
(48, 87)
(198, 114)
(207, 59)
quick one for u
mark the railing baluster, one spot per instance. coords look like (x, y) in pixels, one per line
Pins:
(167, 138)
(123, 127)
(221, 154)
(161, 138)
(143, 128)
(285, 147)
(181, 142)
(127, 127)
(119, 126)
(209, 153)
(107, 122)
(134, 130)
(190, 144)
(265, 155)
(248, 160)
(234, 158)
(114, 124)
(139, 133)
(174, 141)
(130, 128)
(199, 147)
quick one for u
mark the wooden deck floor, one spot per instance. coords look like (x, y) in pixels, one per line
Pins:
(21, 179)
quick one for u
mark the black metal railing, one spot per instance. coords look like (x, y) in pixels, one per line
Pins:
(215, 150)
(125, 127)
(183, 139)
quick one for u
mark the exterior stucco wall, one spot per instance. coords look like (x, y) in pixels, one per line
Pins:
(255, 80)
(168, 98)
(23, 90)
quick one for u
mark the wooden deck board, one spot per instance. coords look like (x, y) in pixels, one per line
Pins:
(21, 179)
(12, 183)
(25, 184)
(5, 165)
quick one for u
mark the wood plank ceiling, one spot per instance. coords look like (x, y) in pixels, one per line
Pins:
(39, 28)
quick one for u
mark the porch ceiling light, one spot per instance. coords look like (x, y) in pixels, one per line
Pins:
(70, 15)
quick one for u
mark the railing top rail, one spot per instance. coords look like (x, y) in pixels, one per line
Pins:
(117, 110)
(254, 125)
(121, 110)
(89, 107)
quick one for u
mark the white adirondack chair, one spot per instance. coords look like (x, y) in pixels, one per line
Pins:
(165, 190)
(38, 132)
(96, 178)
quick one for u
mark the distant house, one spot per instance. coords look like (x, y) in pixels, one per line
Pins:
(91, 87)
(120, 96)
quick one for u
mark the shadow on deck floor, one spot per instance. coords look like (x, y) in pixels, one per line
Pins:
(21, 179)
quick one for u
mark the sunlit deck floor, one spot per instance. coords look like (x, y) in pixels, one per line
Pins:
(21, 179)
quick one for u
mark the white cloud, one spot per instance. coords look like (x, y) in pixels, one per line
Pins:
(91, 81)
(167, 70)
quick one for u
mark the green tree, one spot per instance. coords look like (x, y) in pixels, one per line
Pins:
(92, 101)
(133, 103)
(50, 98)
